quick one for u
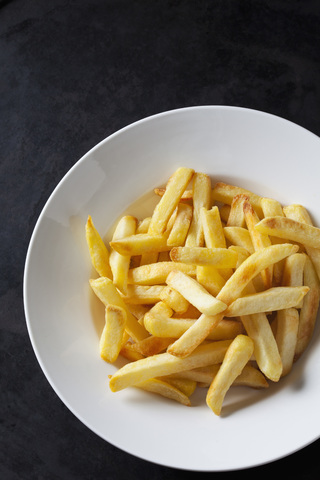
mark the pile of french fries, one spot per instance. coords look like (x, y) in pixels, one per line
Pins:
(219, 287)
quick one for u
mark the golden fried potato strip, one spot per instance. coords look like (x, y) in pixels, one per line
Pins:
(236, 358)
(99, 253)
(289, 229)
(120, 263)
(170, 199)
(111, 339)
(166, 364)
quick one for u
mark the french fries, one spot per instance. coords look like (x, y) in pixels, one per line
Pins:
(286, 337)
(112, 335)
(166, 364)
(225, 193)
(309, 310)
(98, 251)
(237, 356)
(170, 199)
(273, 299)
(287, 228)
(217, 287)
(166, 389)
(106, 291)
(259, 240)
(300, 213)
(201, 199)
(266, 351)
(143, 294)
(140, 243)
(120, 264)
(180, 227)
(174, 299)
(202, 256)
(156, 273)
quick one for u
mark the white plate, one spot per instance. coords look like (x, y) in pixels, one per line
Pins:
(260, 152)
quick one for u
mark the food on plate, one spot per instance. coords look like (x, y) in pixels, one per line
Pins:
(218, 287)
(236, 358)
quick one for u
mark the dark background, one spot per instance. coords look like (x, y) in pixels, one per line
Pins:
(73, 72)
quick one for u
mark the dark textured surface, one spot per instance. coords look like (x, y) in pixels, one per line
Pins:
(71, 73)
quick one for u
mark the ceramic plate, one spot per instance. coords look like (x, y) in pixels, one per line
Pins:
(258, 151)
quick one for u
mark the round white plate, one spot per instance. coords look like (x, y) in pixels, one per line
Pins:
(258, 151)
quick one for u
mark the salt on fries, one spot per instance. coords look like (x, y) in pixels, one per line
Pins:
(218, 287)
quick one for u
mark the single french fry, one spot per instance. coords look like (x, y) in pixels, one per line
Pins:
(224, 193)
(112, 334)
(286, 337)
(143, 294)
(165, 364)
(99, 253)
(239, 236)
(259, 240)
(195, 293)
(218, 257)
(212, 227)
(236, 215)
(166, 389)
(179, 231)
(300, 213)
(273, 299)
(309, 310)
(236, 357)
(119, 263)
(289, 229)
(140, 243)
(266, 351)
(201, 198)
(170, 199)
(107, 292)
(174, 299)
